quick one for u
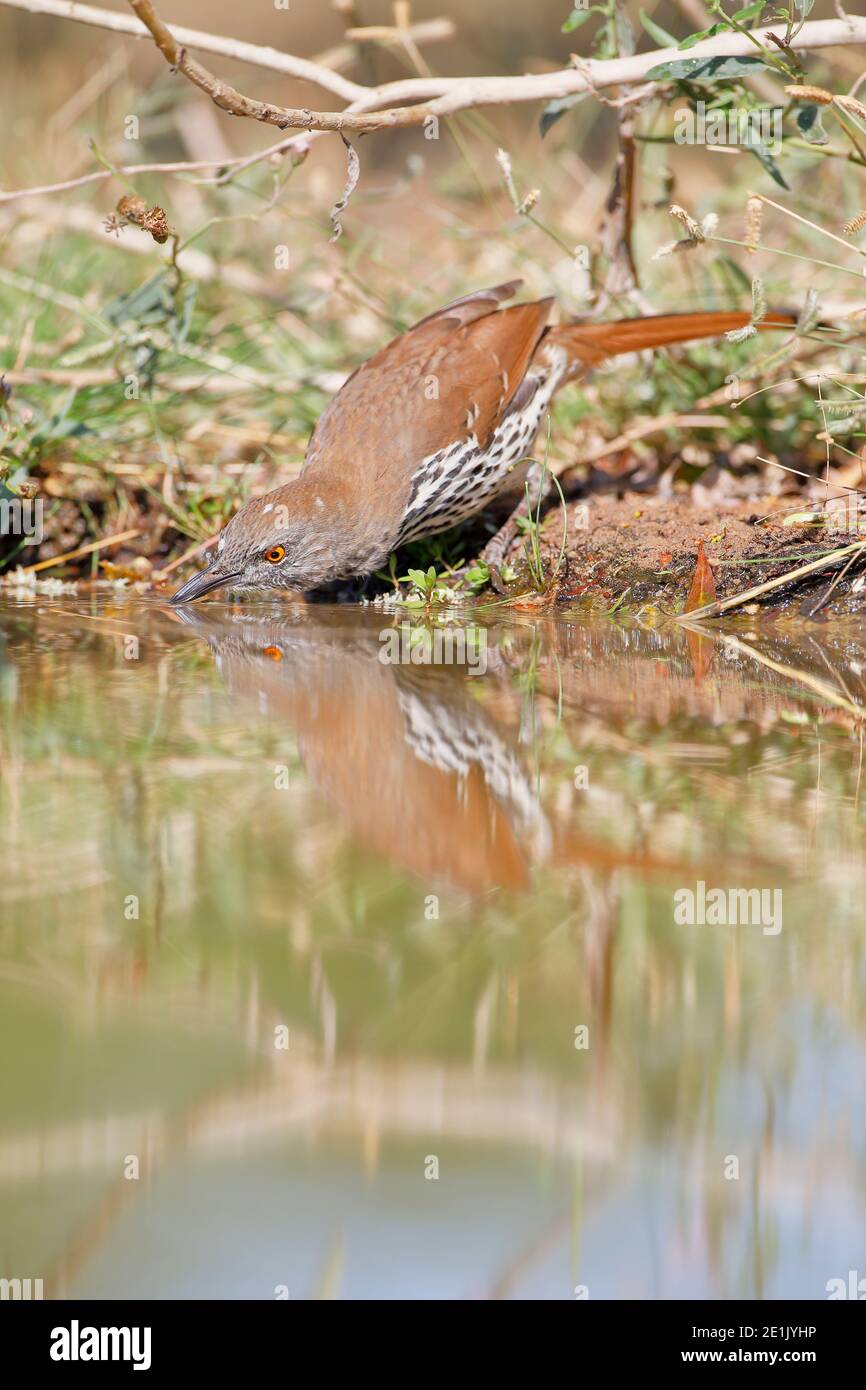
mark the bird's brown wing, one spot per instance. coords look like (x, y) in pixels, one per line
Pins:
(450, 376)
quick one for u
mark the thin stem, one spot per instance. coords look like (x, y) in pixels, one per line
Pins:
(776, 251)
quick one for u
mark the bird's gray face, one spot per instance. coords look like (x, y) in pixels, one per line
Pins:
(263, 547)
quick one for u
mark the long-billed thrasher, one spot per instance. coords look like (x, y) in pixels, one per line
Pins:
(423, 435)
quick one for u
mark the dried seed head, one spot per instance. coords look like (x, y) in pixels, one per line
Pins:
(692, 227)
(739, 335)
(809, 314)
(503, 159)
(673, 248)
(855, 225)
(529, 201)
(851, 104)
(759, 301)
(156, 222)
(816, 94)
(667, 250)
(132, 207)
(754, 213)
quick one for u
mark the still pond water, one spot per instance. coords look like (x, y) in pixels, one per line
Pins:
(345, 978)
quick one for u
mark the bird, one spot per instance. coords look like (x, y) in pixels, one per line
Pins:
(424, 434)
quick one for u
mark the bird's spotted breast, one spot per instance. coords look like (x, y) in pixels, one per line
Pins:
(458, 481)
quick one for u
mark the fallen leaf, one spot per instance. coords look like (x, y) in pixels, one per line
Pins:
(703, 589)
(135, 570)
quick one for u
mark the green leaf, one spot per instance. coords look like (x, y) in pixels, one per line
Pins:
(478, 574)
(575, 19)
(748, 12)
(61, 425)
(655, 31)
(702, 34)
(763, 154)
(180, 327)
(809, 125)
(804, 7)
(554, 109)
(145, 302)
(707, 69)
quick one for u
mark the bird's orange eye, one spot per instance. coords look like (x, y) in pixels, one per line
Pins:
(275, 554)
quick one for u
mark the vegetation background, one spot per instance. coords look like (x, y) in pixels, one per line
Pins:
(152, 392)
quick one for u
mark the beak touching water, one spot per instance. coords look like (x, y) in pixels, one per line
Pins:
(202, 584)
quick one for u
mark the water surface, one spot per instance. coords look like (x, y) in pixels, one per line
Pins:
(335, 977)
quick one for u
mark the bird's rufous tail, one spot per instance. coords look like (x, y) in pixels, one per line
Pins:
(589, 343)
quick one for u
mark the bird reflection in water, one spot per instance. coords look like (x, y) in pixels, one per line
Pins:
(410, 757)
(429, 772)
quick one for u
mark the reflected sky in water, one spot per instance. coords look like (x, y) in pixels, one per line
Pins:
(226, 829)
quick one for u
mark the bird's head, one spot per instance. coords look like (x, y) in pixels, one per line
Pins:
(279, 541)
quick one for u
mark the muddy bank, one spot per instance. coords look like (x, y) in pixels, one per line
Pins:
(637, 550)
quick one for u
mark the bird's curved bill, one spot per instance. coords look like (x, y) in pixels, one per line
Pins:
(201, 584)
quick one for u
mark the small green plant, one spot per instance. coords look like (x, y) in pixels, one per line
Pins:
(478, 575)
(427, 587)
(530, 525)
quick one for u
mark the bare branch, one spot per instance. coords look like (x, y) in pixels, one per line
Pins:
(425, 31)
(375, 108)
(227, 168)
(456, 94)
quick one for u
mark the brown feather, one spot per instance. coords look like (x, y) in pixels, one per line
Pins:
(590, 343)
